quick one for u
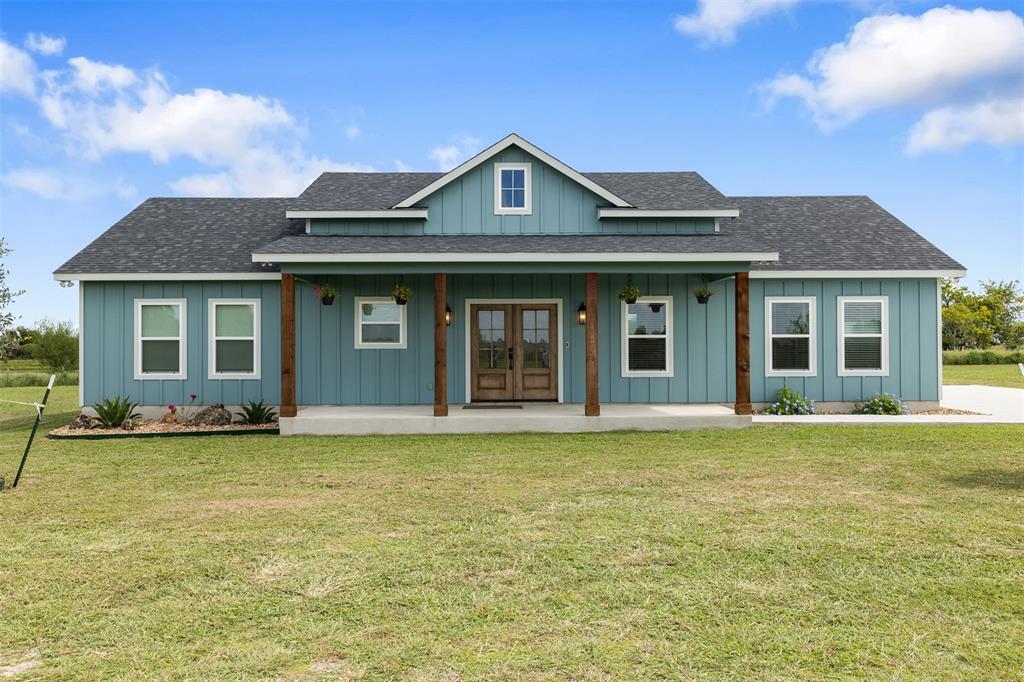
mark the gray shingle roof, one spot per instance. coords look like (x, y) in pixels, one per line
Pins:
(378, 191)
(533, 243)
(833, 233)
(187, 235)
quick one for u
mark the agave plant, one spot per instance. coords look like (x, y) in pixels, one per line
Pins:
(256, 413)
(114, 413)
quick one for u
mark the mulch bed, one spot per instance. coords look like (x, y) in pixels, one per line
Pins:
(150, 428)
(947, 410)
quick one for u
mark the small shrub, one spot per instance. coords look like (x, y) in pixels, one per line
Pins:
(256, 413)
(117, 412)
(883, 403)
(982, 357)
(788, 401)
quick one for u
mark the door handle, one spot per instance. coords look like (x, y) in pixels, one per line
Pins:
(510, 358)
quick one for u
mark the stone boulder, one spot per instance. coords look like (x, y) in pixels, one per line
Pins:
(83, 421)
(214, 415)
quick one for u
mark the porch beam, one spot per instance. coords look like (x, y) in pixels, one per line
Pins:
(440, 345)
(593, 407)
(743, 343)
(288, 407)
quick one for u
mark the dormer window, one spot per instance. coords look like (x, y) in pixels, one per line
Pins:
(512, 188)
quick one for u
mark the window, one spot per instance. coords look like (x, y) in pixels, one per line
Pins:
(380, 323)
(234, 351)
(647, 337)
(863, 336)
(512, 188)
(160, 338)
(790, 336)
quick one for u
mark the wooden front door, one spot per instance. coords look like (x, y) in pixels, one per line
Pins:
(513, 351)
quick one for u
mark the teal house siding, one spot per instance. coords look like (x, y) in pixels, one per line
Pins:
(560, 206)
(913, 339)
(108, 343)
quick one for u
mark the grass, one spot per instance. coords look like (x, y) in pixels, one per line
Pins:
(778, 552)
(983, 375)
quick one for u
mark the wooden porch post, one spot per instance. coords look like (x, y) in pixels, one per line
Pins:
(593, 407)
(742, 343)
(440, 345)
(288, 408)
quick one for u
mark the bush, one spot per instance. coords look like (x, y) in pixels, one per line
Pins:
(256, 413)
(56, 346)
(12, 379)
(883, 403)
(788, 401)
(116, 412)
(982, 357)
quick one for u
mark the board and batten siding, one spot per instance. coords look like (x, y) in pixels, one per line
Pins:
(913, 339)
(560, 206)
(109, 352)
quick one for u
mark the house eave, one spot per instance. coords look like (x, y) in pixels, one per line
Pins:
(520, 257)
(162, 276)
(856, 274)
(385, 214)
(667, 213)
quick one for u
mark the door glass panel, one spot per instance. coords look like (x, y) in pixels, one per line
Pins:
(491, 339)
(536, 348)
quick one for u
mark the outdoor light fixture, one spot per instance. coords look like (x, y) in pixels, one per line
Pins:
(447, 316)
(581, 313)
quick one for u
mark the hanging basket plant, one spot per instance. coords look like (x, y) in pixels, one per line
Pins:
(324, 293)
(401, 295)
(703, 294)
(630, 294)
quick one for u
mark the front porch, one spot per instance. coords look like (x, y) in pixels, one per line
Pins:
(365, 420)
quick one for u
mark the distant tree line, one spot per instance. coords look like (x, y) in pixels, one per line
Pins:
(979, 320)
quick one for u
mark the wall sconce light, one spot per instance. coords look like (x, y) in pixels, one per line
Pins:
(447, 316)
(581, 313)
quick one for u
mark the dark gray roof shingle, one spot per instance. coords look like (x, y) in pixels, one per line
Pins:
(187, 235)
(833, 233)
(507, 243)
(683, 190)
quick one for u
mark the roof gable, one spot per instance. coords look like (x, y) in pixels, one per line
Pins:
(496, 149)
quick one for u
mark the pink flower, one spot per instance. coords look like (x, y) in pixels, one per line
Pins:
(193, 396)
(316, 290)
(172, 409)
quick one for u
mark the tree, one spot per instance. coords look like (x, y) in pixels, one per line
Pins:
(1005, 303)
(56, 346)
(978, 320)
(8, 340)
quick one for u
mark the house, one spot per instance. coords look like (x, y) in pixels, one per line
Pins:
(516, 262)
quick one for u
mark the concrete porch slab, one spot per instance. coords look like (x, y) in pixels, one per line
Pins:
(358, 420)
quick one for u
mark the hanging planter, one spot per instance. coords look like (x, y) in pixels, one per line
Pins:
(703, 294)
(656, 307)
(630, 294)
(400, 294)
(325, 293)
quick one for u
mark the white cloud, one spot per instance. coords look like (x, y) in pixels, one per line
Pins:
(402, 167)
(997, 122)
(450, 156)
(248, 145)
(716, 21)
(17, 71)
(51, 184)
(353, 132)
(939, 61)
(44, 44)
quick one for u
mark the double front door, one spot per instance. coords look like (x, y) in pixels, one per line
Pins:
(514, 351)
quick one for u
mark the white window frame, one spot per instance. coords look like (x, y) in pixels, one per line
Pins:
(358, 318)
(812, 336)
(182, 339)
(527, 208)
(841, 302)
(625, 337)
(212, 338)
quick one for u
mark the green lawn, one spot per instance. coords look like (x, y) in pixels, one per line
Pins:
(778, 552)
(983, 375)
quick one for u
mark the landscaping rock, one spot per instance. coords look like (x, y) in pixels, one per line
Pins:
(83, 421)
(214, 415)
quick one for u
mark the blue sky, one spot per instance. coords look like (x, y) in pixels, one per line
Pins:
(916, 104)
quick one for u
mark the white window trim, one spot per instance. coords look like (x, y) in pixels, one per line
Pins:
(812, 321)
(669, 338)
(527, 184)
(212, 338)
(841, 354)
(358, 319)
(182, 339)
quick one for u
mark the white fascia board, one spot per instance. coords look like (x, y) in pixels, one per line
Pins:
(854, 274)
(547, 257)
(164, 276)
(387, 214)
(667, 213)
(498, 147)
